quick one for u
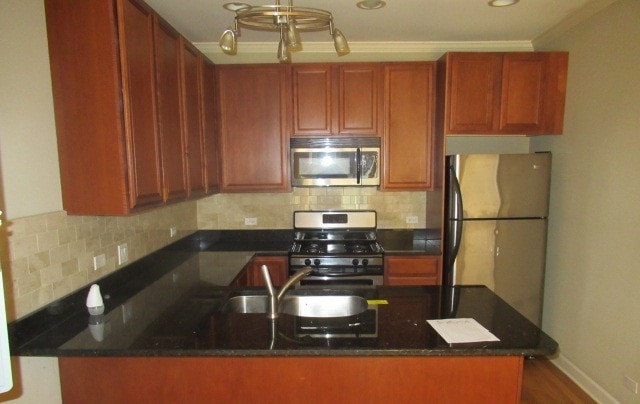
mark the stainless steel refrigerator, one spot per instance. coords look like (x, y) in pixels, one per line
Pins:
(496, 225)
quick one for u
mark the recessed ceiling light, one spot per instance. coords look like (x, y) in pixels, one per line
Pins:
(371, 4)
(502, 3)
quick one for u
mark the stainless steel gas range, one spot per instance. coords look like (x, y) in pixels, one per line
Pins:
(340, 246)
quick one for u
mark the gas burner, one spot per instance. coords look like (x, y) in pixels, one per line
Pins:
(358, 248)
(340, 246)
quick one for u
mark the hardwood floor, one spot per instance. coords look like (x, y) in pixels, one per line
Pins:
(543, 382)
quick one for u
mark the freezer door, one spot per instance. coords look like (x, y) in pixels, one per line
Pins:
(503, 185)
(508, 256)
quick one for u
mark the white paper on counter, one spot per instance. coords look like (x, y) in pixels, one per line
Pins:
(462, 330)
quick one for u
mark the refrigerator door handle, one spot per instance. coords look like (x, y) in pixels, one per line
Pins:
(455, 226)
(457, 212)
(458, 216)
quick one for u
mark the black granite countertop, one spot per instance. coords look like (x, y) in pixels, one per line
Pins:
(168, 304)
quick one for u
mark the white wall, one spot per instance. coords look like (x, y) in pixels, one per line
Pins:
(592, 292)
(29, 172)
(28, 153)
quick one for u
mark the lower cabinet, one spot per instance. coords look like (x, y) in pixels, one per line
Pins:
(379, 379)
(251, 274)
(413, 270)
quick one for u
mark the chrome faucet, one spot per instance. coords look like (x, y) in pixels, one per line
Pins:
(276, 297)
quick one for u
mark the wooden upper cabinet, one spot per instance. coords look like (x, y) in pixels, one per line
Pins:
(126, 93)
(337, 99)
(141, 131)
(192, 119)
(102, 70)
(360, 99)
(505, 93)
(408, 141)
(533, 92)
(254, 141)
(473, 85)
(209, 126)
(168, 59)
(313, 89)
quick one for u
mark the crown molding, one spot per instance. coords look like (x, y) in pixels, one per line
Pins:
(380, 47)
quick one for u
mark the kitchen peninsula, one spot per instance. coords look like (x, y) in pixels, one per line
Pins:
(164, 338)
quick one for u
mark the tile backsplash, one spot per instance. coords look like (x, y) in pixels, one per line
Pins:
(48, 256)
(51, 255)
(275, 211)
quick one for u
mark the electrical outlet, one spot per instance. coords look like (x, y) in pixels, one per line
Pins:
(123, 253)
(173, 231)
(99, 261)
(250, 221)
(412, 219)
(630, 384)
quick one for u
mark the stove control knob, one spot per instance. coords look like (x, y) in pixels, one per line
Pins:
(316, 262)
(307, 262)
(365, 262)
(355, 262)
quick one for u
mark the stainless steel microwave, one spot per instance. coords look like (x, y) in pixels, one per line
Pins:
(317, 162)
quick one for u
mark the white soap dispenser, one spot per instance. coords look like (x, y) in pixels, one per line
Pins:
(94, 301)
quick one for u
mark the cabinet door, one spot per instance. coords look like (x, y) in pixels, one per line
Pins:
(192, 123)
(412, 270)
(88, 108)
(523, 88)
(408, 140)
(337, 99)
(137, 62)
(209, 128)
(359, 102)
(167, 43)
(313, 90)
(473, 92)
(533, 92)
(278, 269)
(254, 145)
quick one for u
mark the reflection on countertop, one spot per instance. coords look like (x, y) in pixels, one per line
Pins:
(168, 304)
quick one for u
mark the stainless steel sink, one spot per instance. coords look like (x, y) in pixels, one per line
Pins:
(302, 306)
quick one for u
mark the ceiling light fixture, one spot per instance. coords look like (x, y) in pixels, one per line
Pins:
(502, 3)
(288, 20)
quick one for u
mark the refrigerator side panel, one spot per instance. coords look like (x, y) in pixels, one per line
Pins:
(520, 265)
(507, 256)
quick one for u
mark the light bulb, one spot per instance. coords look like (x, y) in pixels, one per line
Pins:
(228, 42)
(340, 42)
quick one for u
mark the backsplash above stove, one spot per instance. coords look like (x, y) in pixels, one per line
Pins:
(275, 210)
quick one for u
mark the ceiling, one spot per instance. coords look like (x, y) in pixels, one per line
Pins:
(202, 21)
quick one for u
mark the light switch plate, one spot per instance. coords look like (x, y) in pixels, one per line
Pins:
(412, 219)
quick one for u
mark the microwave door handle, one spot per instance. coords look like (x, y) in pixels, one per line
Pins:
(358, 165)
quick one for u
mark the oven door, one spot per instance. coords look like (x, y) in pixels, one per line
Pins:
(335, 166)
(340, 282)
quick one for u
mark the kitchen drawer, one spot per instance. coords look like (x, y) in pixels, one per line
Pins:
(413, 270)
